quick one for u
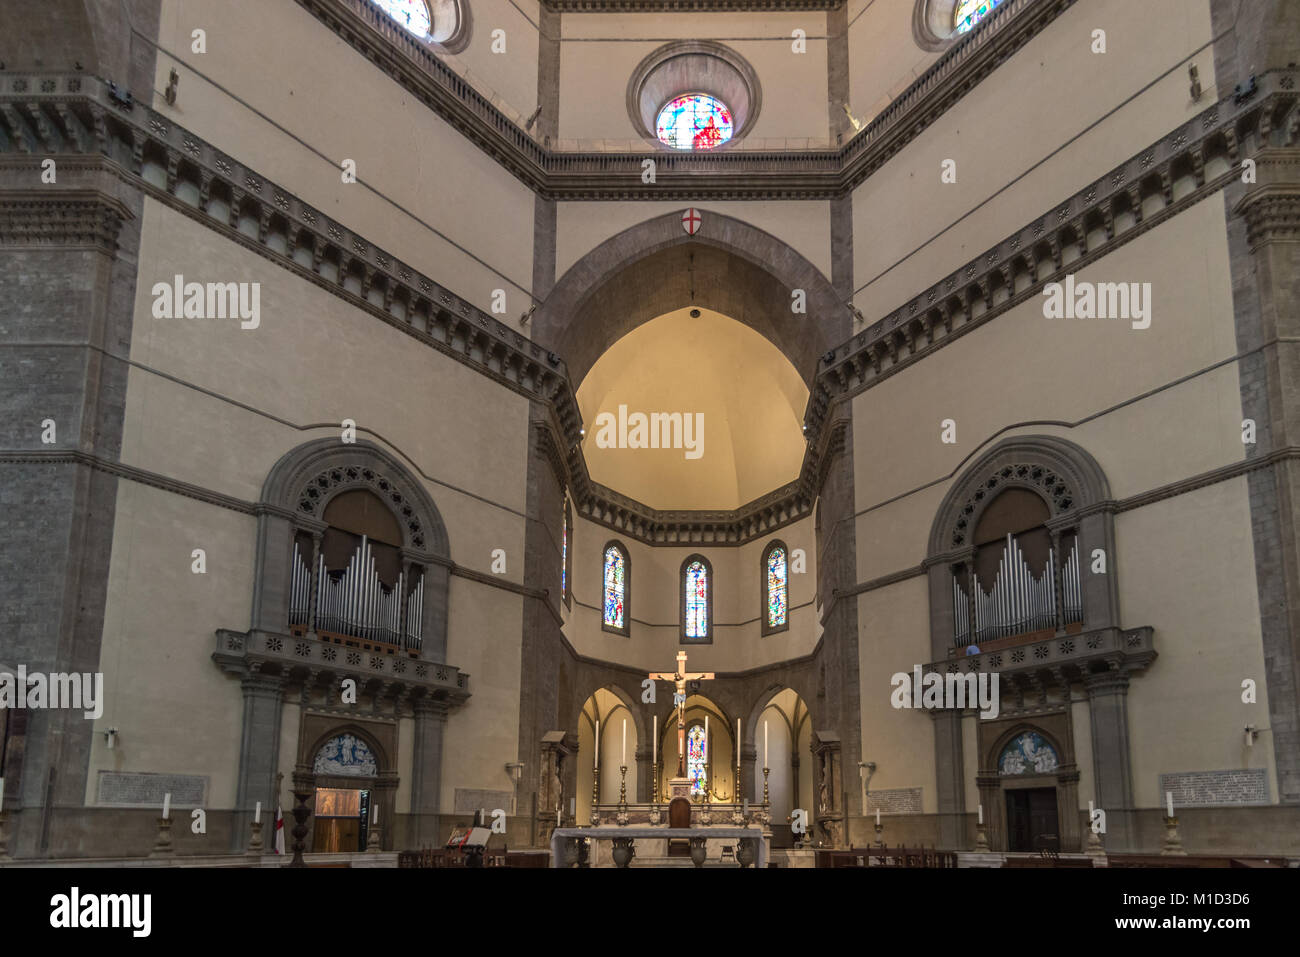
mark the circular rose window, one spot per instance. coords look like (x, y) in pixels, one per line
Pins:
(694, 121)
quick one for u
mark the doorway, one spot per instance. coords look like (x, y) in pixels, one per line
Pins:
(1031, 813)
(342, 820)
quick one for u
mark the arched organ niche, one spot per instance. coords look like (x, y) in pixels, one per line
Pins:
(1022, 578)
(358, 585)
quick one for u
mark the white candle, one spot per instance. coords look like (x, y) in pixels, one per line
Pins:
(573, 807)
(877, 817)
(557, 817)
(2, 794)
(655, 746)
(597, 764)
(257, 813)
(706, 735)
(374, 813)
(625, 742)
(979, 809)
(765, 764)
(737, 742)
(167, 804)
(1169, 802)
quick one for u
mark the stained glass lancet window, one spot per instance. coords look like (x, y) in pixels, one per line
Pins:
(615, 586)
(697, 600)
(412, 14)
(967, 13)
(697, 760)
(777, 590)
(694, 121)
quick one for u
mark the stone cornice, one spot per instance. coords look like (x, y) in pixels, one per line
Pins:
(1008, 274)
(735, 174)
(83, 115)
(1062, 659)
(65, 218)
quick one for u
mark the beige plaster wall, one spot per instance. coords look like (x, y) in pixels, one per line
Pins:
(423, 192)
(1185, 564)
(1046, 123)
(655, 605)
(610, 47)
(200, 388)
(894, 635)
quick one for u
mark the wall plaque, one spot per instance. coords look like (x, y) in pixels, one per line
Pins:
(1215, 788)
(141, 789)
(895, 801)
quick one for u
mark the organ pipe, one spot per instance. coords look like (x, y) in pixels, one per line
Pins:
(1018, 601)
(355, 602)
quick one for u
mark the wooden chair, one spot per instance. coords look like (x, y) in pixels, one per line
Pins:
(679, 815)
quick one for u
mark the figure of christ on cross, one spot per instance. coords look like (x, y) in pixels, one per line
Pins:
(679, 678)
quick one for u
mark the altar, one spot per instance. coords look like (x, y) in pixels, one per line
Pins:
(760, 839)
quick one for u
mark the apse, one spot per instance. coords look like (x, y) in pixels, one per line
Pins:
(693, 410)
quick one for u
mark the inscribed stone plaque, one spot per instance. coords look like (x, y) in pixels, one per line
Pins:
(140, 789)
(895, 801)
(1215, 788)
(469, 800)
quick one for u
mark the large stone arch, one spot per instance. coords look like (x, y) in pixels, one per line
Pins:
(654, 267)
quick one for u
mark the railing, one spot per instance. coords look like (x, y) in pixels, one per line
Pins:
(885, 856)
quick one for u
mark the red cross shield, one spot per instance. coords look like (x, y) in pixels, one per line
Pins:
(691, 221)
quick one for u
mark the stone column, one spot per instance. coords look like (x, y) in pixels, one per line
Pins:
(259, 751)
(1112, 769)
(643, 776)
(426, 771)
(272, 573)
(950, 777)
(1067, 808)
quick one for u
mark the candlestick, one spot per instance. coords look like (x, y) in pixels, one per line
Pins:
(597, 765)
(1169, 803)
(257, 813)
(622, 789)
(654, 784)
(765, 786)
(167, 805)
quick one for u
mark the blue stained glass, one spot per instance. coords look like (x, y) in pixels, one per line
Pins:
(615, 586)
(697, 760)
(970, 12)
(697, 600)
(412, 14)
(777, 587)
(694, 121)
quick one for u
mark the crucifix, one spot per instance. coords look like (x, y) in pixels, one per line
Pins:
(679, 678)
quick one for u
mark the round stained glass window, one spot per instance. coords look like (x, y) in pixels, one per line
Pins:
(967, 13)
(694, 121)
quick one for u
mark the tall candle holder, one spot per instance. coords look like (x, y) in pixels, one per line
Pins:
(622, 817)
(1173, 840)
(595, 796)
(765, 773)
(654, 783)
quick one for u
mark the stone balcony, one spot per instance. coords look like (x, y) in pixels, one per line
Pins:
(307, 662)
(1060, 659)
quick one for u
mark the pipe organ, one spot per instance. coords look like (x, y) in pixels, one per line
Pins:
(1018, 601)
(354, 601)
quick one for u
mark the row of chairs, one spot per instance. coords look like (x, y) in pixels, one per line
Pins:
(886, 856)
(427, 857)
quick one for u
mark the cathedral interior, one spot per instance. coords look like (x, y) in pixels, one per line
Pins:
(650, 433)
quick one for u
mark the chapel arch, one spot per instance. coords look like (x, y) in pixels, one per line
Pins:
(655, 267)
(785, 743)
